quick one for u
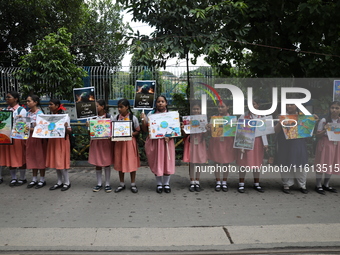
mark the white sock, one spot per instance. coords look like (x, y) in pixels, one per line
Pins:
(326, 180)
(241, 185)
(224, 183)
(192, 182)
(122, 184)
(99, 177)
(133, 184)
(159, 180)
(22, 174)
(166, 180)
(256, 184)
(218, 182)
(42, 178)
(197, 182)
(60, 177)
(66, 177)
(318, 178)
(13, 173)
(34, 178)
(107, 170)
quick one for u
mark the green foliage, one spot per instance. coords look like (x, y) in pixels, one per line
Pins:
(51, 63)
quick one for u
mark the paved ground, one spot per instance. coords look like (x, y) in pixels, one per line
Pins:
(82, 220)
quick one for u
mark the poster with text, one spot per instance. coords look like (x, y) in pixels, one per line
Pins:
(100, 128)
(264, 126)
(223, 126)
(6, 121)
(245, 134)
(21, 128)
(144, 94)
(164, 125)
(121, 130)
(195, 124)
(336, 90)
(50, 126)
(297, 126)
(85, 102)
(333, 132)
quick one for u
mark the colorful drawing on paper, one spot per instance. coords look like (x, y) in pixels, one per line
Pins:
(245, 134)
(21, 128)
(223, 126)
(195, 124)
(164, 125)
(50, 126)
(297, 126)
(121, 130)
(333, 132)
(6, 118)
(100, 128)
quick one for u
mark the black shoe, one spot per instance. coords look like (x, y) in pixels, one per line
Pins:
(134, 189)
(320, 190)
(159, 189)
(198, 188)
(304, 191)
(258, 188)
(192, 187)
(167, 189)
(56, 186)
(218, 187)
(32, 184)
(13, 183)
(21, 182)
(329, 189)
(97, 188)
(40, 184)
(108, 189)
(66, 187)
(1, 180)
(240, 190)
(119, 188)
(287, 191)
(224, 188)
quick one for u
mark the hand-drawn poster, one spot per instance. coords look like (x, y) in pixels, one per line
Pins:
(336, 90)
(264, 126)
(223, 126)
(21, 128)
(245, 134)
(145, 94)
(164, 125)
(297, 126)
(85, 102)
(121, 130)
(6, 118)
(195, 124)
(333, 132)
(50, 126)
(100, 128)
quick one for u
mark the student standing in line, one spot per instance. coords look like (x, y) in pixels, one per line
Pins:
(195, 151)
(35, 147)
(101, 151)
(58, 150)
(126, 156)
(13, 156)
(252, 158)
(221, 150)
(160, 152)
(327, 156)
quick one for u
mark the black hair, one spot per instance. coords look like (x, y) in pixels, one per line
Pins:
(103, 103)
(166, 107)
(15, 95)
(126, 103)
(329, 116)
(57, 102)
(36, 99)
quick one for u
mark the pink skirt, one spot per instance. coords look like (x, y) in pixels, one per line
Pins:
(327, 154)
(101, 152)
(222, 151)
(126, 156)
(252, 157)
(13, 155)
(58, 153)
(36, 153)
(195, 152)
(161, 160)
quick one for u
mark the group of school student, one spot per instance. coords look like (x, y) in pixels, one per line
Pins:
(38, 154)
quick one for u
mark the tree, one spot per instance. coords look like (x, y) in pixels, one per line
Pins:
(101, 40)
(22, 22)
(50, 69)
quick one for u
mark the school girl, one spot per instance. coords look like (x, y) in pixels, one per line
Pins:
(160, 152)
(35, 147)
(58, 150)
(101, 151)
(252, 158)
(195, 151)
(126, 156)
(221, 151)
(13, 156)
(292, 154)
(327, 156)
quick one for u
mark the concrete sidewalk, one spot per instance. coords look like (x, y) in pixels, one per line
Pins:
(82, 220)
